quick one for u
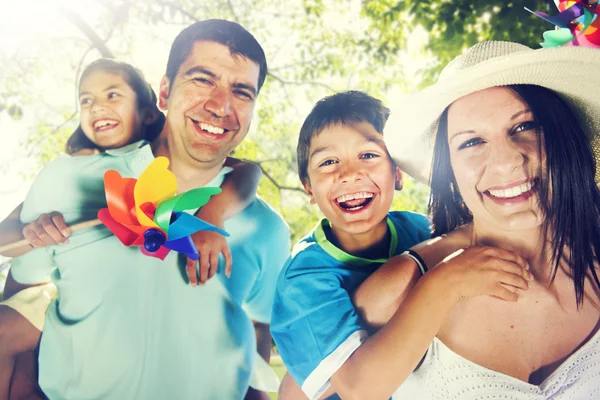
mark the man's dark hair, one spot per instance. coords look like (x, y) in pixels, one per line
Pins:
(234, 36)
(346, 108)
(569, 197)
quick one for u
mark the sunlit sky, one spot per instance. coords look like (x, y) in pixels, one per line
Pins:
(25, 22)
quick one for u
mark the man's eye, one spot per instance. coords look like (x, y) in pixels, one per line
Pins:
(244, 94)
(202, 80)
(470, 143)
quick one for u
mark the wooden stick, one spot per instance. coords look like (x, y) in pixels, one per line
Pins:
(25, 243)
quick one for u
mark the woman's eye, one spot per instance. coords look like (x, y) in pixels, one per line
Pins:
(526, 126)
(470, 143)
(85, 102)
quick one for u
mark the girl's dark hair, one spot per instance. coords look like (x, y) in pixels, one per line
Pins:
(146, 99)
(569, 196)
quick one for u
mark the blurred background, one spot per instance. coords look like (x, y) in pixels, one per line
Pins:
(388, 48)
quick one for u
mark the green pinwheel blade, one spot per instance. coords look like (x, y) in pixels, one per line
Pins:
(189, 200)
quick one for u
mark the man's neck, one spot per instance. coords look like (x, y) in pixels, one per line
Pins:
(190, 174)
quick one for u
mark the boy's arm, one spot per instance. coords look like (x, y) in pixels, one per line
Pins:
(238, 191)
(390, 355)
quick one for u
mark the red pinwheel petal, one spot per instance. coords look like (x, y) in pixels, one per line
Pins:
(127, 236)
(119, 197)
(160, 253)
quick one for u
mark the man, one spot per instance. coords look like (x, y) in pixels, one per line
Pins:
(127, 326)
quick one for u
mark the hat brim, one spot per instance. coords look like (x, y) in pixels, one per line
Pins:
(572, 72)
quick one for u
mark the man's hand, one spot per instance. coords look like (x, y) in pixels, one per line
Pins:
(47, 229)
(209, 245)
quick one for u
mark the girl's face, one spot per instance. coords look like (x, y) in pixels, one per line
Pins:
(109, 115)
(493, 140)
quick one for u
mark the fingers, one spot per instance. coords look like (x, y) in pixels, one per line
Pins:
(192, 271)
(516, 281)
(506, 255)
(204, 267)
(504, 293)
(48, 229)
(213, 264)
(228, 261)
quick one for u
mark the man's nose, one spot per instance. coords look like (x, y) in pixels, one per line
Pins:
(219, 103)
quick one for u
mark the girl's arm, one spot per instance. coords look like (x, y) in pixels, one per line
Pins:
(238, 191)
(389, 356)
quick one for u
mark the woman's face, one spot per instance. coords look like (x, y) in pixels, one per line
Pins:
(492, 137)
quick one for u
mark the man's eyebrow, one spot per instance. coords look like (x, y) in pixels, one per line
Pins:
(200, 70)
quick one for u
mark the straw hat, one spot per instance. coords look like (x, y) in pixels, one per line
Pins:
(572, 72)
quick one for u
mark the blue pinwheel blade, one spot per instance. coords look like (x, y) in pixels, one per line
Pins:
(186, 224)
(183, 245)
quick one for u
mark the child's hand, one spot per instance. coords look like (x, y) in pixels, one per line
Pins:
(484, 270)
(47, 229)
(209, 245)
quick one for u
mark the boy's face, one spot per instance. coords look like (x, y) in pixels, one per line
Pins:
(351, 177)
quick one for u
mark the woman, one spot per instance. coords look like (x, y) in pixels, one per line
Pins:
(511, 132)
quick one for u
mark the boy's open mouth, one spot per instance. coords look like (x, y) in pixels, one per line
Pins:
(354, 201)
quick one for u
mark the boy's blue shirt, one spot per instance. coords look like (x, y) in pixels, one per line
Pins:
(315, 325)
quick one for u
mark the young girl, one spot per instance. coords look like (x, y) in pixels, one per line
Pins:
(118, 108)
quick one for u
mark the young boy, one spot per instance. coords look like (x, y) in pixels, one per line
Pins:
(346, 170)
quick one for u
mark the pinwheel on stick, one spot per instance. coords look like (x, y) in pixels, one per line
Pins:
(146, 212)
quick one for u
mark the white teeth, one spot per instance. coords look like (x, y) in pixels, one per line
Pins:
(211, 129)
(104, 122)
(512, 192)
(353, 196)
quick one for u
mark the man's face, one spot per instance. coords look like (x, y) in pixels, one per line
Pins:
(209, 103)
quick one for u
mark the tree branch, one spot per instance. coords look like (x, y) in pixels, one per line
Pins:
(235, 17)
(273, 180)
(284, 82)
(83, 26)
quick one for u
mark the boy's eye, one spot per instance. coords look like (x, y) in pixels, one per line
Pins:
(326, 163)
(369, 155)
(470, 143)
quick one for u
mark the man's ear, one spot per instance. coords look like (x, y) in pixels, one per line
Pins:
(163, 93)
(398, 178)
(309, 192)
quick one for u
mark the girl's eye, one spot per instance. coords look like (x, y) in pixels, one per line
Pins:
(470, 143)
(369, 155)
(113, 95)
(326, 163)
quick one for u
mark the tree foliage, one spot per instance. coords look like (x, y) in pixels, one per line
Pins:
(314, 48)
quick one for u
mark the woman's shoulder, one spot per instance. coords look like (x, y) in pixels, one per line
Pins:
(434, 250)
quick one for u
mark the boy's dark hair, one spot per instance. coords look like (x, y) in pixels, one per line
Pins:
(569, 197)
(145, 97)
(227, 33)
(346, 108)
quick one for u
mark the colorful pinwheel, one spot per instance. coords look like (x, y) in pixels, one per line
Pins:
(577, 21)
(145, 212)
